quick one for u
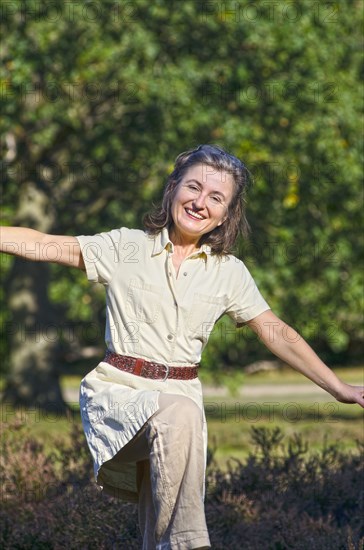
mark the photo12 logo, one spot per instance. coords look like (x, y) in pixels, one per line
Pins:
(288, 91)
(234, 12)
(68, 11)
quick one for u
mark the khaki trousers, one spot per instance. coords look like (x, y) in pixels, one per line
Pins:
(170, 473)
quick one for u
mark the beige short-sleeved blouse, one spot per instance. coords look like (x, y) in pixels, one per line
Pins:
(153, 314)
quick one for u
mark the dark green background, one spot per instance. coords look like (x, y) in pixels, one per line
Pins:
(97, 100)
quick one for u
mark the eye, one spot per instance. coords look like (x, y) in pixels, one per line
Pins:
(193, 187)
(216, 198)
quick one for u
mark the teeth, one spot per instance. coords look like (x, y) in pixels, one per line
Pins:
(194, 214)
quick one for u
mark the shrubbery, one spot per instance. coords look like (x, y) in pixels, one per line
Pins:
(279, 498)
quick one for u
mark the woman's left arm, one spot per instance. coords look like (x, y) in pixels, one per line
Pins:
(288, 345)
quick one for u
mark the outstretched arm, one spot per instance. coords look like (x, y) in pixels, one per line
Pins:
(40, 247)
(288, 345)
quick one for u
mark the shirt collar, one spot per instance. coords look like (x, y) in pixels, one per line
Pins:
(162, 241)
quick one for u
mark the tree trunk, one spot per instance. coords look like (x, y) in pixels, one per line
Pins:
(33, 332)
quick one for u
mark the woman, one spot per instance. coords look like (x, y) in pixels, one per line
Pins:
(142, 407)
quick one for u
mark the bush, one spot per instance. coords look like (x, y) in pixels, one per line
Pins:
(50, 502)
(278, 499)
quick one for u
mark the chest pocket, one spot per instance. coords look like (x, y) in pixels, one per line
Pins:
(144, 301)
(204, 313)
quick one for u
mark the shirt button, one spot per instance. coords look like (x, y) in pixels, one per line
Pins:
(170, 337)
(169, 273)
(185, 273)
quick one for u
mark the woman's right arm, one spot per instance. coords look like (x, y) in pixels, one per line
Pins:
(40, 247)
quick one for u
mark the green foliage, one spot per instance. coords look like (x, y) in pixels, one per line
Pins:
(98, 98)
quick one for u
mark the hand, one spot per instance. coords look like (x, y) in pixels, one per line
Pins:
(351, 394)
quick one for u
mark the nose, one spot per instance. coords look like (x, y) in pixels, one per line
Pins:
(199, 202)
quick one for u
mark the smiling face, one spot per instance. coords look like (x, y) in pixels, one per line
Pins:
(200, 203)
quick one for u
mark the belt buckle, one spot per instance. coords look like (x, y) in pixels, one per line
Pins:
(167, 373)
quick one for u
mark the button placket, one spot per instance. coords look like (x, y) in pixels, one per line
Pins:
(171, 337)
(173, 283)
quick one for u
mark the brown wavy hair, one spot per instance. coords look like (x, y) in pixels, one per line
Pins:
(222, 238)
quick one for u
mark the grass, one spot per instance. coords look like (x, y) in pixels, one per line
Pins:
(351, 375)
(320, 423)
(229, 425)
(317, 417)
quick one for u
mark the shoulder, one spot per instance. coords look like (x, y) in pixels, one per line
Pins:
(130, 234)
(230, 263)
(124, 235)
(233, 269)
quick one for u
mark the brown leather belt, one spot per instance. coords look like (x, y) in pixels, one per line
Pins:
(148, 369)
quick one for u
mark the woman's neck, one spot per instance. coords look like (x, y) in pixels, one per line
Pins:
(183, 247)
